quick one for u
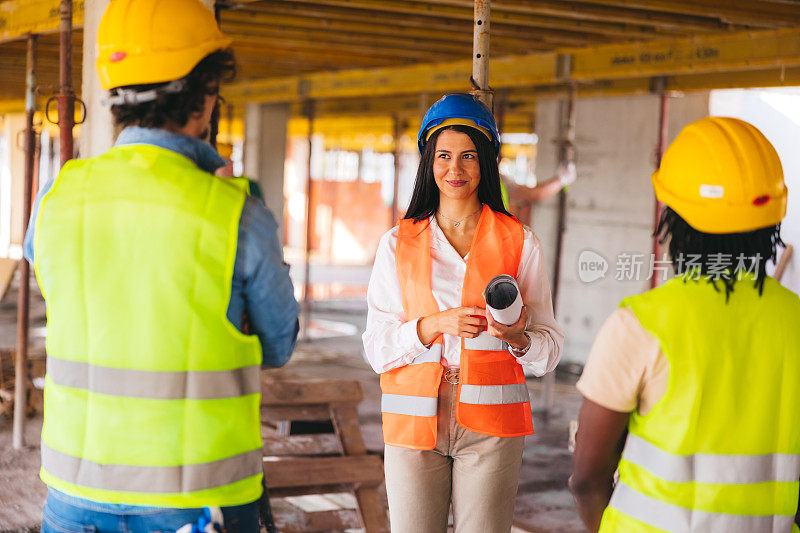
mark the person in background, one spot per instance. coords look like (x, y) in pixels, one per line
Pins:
(148, 263)
(690, 389)
(455, 405)
(519, 199)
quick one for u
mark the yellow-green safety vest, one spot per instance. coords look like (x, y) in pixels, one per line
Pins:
(720, 452)
(504, 194)
(152, 396)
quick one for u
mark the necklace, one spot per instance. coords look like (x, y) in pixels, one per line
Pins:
(457, 223)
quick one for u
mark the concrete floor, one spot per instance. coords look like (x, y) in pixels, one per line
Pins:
(543, 502)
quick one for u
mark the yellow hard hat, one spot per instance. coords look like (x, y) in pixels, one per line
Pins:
(154, 41)
(721, 175)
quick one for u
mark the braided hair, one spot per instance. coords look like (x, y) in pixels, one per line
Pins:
(719, 257)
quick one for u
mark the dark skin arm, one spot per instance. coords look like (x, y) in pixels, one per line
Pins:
(797, 516)
(598, 447)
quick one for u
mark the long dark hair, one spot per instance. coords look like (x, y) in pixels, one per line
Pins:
(719, 256)
(425, 198)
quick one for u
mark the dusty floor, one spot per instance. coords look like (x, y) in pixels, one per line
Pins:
(543, 502)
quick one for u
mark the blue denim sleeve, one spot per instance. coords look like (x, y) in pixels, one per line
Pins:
(27, 244)
(261, 285)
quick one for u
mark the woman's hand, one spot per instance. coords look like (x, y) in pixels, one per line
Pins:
(467, 322)
(514, 334)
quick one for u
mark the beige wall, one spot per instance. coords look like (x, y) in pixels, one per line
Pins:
(611, 205)
(97, 134)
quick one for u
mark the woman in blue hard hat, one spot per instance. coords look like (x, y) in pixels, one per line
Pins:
(455, 405)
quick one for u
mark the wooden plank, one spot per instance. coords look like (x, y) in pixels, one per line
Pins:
(332, 520)
(291, 519)
(442, 28)
(731, 52)
(314, 502)
(372, 512)
(342, 500)
(363, 470)
(602, 13)
(280, 393)
(352, 21)
(744, 12)
(464, 11)
(310, 489)
(282, 413)
(268, 34)
(345, 423)
(325, 444)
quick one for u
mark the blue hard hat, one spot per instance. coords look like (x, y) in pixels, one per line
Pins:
(459, 106)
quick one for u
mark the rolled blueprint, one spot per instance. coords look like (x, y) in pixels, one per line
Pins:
(503, 299)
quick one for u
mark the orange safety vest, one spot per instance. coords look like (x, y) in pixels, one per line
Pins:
(493, 398)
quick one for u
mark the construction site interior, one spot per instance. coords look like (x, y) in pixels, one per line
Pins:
(323, 114)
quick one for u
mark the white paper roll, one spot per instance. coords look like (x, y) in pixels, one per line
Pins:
(500, 291)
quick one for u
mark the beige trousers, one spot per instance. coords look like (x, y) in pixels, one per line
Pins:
(477, 473)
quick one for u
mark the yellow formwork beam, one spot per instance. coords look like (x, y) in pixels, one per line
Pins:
(12, 106)
(709, 53)
(20, 17)
(741, 51)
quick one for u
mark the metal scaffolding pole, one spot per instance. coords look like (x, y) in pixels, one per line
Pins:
(661, 147)
(480, 52)
(566, 154)
(23, 296)
(309, 228)
(398, 132)
(213, 126)
(66, 95)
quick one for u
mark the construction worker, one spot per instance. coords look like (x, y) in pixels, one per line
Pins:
(455, 405)
(703, 371)
(148, 262)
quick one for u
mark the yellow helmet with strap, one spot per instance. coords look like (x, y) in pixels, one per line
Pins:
(154, 41)
(722, 175)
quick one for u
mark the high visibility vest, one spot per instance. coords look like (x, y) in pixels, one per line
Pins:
(492, 395)
(152, 396)
(720, 452)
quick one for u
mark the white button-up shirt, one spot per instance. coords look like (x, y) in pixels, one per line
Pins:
(391, 341)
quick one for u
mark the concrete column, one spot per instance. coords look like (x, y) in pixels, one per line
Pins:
(12, 210)
(265, 128)
(610, 209)
(97, 133)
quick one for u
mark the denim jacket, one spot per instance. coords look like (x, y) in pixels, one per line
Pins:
(260, 284)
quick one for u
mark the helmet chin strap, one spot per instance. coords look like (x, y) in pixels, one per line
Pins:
(124, 96)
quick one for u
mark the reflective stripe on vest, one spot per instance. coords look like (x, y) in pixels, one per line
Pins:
(709, 468)
(676, 519)
(494, 394)
(400, 404)
(431, 355)
(157, 479)
(485, 342)
(191, 385)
